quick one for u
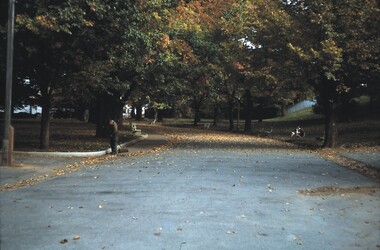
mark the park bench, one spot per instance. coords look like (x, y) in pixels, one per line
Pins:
(134, 129)
(150, 122)
(206, 125)
(265, 132)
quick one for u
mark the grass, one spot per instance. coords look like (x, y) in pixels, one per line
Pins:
(65, 135)
(72, 135)
(359, 133)
(300, 115)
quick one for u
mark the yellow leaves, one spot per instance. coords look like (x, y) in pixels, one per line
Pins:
(299, 52)
(89, 24)
(156, 16)
(148, 60)
(179, 48)
(27, 22)
(35, 24)
(47, 22)
(330, 47)
(164, 42)
(199, 15)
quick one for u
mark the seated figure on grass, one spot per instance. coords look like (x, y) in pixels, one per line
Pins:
(298, 132)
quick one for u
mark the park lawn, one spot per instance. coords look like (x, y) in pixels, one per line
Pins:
(356, 134)
(66, 135)
(361, 132)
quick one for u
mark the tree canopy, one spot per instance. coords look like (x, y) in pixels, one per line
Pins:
(101, 54)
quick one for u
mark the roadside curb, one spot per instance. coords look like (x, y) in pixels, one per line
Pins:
(80, 154)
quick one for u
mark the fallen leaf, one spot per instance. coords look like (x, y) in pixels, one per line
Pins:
(262, 234)
(64, 241)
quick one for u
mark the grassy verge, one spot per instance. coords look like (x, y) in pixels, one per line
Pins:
(360, 133)
(72, 135)
(66, 135)
(301, 115)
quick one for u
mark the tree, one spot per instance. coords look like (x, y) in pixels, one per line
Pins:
(92, 42)
(44, 52)
(326, 45)
(336, 46)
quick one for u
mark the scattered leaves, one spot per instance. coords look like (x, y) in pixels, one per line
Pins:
(194, 136)
(158, 231)
(262, 234)
(335, 156)
(331, 190)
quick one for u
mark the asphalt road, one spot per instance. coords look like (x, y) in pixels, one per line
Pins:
(192, 197)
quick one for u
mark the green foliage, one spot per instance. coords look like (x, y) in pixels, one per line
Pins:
(191, 53)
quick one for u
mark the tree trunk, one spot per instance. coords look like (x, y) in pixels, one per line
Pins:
(346, 112)
(155, 114)
(197, 116)
(216, 114)
(138, 112)
(45, 119)
(197, 110)
(133, 114)
(331, 126)
(283, 110)
(374, 100)
(248, 111)
(108, 108)
(101, 123)
(231, 115)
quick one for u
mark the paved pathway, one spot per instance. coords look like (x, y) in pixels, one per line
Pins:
(194, 196)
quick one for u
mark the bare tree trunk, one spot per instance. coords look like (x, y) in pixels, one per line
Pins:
(230, 115)
(108, 108)
(101, 120)
(45, 119)
(216, 114)
(197, 109)
(138, 112)
(197, 116)
(248, 111)
(331, 126)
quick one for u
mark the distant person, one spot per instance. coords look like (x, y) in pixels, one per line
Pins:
(298, 132)
(114, 136)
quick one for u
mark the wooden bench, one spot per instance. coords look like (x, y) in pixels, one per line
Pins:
(266, 133)
(206, 125)
(134, 129)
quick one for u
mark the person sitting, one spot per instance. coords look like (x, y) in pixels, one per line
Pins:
(298, 132)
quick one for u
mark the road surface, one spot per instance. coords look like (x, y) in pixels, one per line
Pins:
(197, 196)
